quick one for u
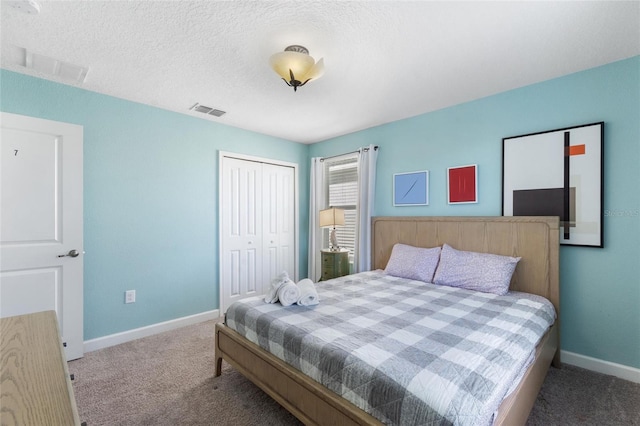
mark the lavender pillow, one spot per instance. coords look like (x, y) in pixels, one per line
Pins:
(489, 273)
(414, 263)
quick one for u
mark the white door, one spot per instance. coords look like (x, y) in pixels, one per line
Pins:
(258, 220)
(241, 224)
(278, 221)
(41, 251)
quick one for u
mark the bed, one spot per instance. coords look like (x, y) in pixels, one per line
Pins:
(534, 239)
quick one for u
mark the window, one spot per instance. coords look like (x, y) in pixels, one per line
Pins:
(341, 177)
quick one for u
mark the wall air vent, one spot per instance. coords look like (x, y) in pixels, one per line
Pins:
(207, 110)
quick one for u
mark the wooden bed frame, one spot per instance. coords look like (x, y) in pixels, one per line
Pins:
(535, 239)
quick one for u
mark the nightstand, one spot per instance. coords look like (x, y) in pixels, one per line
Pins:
(334, 264)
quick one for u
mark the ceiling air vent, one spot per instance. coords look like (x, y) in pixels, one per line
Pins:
(207, 110)
(49, 66)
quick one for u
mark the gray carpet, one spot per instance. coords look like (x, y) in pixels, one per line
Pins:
(167, 379)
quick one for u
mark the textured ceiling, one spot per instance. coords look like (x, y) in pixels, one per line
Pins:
(384, 60)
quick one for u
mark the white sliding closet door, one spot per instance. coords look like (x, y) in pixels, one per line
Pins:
(257, 226)
(278, 221)
(241, 229)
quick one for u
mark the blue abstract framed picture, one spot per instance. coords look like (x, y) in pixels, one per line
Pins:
(411, 189)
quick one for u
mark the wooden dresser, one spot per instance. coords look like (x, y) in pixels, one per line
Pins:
(35, 382)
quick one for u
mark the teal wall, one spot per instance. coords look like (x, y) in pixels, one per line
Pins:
(600, 288)
(150, 200)
(151, 180)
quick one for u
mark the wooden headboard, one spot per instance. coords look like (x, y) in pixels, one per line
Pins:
(534, 238)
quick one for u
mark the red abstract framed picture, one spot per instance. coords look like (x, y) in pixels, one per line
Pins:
(462, 184)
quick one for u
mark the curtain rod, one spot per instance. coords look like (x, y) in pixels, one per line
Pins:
(365, 149)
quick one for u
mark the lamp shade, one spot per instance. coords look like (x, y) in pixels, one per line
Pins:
(331, 217)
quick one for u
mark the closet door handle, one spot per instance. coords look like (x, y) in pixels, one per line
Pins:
(72, 253)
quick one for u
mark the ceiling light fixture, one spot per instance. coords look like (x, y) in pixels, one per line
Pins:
(30, 7)
(296, 67)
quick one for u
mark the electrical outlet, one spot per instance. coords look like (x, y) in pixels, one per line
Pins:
(129, 296)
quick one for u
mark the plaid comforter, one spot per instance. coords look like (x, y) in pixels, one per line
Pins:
(407, 352)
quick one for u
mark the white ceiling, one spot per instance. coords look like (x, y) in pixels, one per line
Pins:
(384, 60)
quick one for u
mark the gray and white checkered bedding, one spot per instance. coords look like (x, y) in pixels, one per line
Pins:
(407, 352)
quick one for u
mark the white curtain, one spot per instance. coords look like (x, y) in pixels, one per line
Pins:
(316, 203)
(366, 196)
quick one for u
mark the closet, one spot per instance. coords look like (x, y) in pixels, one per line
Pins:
(257, 225)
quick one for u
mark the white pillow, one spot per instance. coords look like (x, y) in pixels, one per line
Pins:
(414, 263)
(489, 273)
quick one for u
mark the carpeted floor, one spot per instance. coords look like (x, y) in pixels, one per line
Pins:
(167, 379)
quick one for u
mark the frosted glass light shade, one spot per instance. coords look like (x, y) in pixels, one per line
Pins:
(297, 63)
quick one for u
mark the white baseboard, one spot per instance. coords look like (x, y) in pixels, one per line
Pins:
(137, 333)
(601, 366)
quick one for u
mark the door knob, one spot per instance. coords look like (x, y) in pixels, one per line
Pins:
(72, 253)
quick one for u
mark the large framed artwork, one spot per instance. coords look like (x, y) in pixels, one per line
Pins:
(557, 173)
(411, 189)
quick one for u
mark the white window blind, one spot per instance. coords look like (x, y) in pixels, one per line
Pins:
(342, 192)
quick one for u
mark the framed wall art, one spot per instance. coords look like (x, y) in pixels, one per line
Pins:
(462, 184)
(557, 173)
(411, 189)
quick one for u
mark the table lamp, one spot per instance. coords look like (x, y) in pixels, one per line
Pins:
(332, 217)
